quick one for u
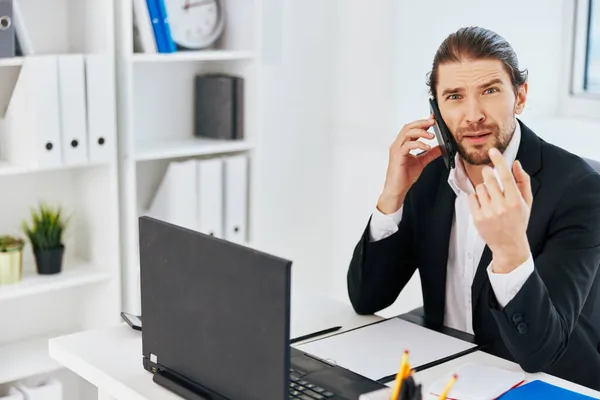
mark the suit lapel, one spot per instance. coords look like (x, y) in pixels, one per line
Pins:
(441, 221)
(529, 155)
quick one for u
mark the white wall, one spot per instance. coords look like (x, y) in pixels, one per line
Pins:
(385, 49)
(293, 197)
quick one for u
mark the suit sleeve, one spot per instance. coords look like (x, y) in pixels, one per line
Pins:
(380, 269)
(537, 323)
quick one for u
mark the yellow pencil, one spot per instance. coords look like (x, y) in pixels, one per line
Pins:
(400, 375)
(407, 371)
(448, 387)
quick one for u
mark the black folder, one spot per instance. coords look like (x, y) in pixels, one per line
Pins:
(219, 106)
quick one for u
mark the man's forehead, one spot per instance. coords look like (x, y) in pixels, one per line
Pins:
(470, 72)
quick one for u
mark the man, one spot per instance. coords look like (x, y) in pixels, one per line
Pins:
(512, 258)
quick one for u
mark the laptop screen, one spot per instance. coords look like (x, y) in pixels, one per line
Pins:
(214, 311)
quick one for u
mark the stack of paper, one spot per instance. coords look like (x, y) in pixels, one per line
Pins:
(478, 382)
(375, 350)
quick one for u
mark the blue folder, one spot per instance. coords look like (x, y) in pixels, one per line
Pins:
(160, 26)
(166, 27)
(157, 26)
(541, 390)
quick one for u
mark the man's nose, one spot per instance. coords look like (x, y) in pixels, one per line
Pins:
(474, 112)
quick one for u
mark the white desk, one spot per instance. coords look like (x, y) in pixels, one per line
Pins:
(111, 359)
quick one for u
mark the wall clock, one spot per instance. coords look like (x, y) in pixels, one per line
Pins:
(195, 24)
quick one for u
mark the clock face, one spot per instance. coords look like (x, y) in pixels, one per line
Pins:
(194, 23)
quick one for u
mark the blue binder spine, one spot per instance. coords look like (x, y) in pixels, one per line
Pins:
(157, 26)
(169, 43)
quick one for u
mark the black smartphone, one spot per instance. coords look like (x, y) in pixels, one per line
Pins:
(443, 135)
(134, 321)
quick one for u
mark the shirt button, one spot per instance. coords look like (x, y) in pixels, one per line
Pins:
(469, 255)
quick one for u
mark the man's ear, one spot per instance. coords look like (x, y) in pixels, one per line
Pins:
(521, 98)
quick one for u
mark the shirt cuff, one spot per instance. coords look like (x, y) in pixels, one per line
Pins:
(506, 286)
(384, 225)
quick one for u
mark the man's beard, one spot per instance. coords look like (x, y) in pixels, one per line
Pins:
(478, 154)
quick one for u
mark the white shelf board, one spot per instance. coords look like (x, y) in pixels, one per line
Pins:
(188, 147)
(26, 358)
(12, 169)
(74, 274)
(202, 55)
(11, 61)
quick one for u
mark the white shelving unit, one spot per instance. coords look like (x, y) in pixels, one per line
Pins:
(154, 97)
(75, 273)
(156, 123)
(7, 168)
(26, 358)
(204, 55)
(87, 293)
(158, 149)
(11, 62)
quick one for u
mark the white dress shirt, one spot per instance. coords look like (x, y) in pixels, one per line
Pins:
(466, 248)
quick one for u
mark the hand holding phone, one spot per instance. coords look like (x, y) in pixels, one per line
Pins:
(443, 135)
(405, 168)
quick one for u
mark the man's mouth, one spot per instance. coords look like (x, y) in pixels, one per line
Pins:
(477, 137)
(477, 134)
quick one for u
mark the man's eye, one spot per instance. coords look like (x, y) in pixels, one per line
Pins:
(453, 97)
(491, 90)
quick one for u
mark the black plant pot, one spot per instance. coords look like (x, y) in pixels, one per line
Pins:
(49, 262)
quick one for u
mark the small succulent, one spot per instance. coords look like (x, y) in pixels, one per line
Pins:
(11, 243)
(47, 227)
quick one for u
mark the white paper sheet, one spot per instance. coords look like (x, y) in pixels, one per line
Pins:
(376, 350)
(478, 382)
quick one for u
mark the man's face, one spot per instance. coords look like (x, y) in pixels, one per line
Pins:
(478, 103)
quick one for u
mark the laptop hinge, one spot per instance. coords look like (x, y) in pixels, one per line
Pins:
(184, 387)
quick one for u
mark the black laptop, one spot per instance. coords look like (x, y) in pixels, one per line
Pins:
(217, 322)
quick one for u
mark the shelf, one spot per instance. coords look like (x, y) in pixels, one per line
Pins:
(12, 169)
(206, 55)
(189, 147)
(26, 358)
(76, 273)
(11, 61)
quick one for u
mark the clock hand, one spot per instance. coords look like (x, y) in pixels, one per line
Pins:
(188, 5)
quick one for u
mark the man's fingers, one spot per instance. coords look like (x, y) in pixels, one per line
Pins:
(504, 173)
(493, 188)
(415, 134)
(419, 124)
(408, 146)
(414, 131)
(474, 206)
(485, 201)
(430, 155)
(523, 182)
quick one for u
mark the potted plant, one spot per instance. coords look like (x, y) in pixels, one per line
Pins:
(46, 236)
(11, 259)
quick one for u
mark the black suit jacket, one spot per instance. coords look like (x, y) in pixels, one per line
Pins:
(553, 323)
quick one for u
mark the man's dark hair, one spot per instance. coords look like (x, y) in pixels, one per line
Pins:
(476, 43)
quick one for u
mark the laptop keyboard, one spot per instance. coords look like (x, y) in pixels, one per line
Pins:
(301, 389)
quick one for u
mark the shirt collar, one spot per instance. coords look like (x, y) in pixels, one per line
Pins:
(458, 179)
